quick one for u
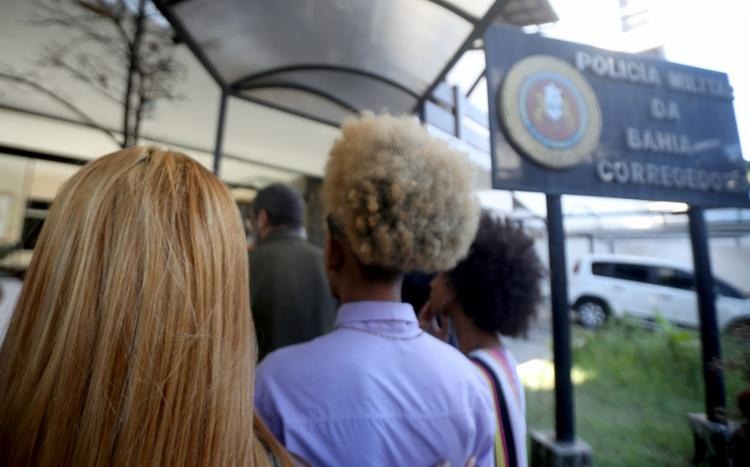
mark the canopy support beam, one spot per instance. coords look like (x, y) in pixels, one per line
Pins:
(185, 36)
(220, 130)
(455, 10)
(39, 155)
(246, 81)
(304, 88)
(296, 113)
(479, 29)
(476, 83)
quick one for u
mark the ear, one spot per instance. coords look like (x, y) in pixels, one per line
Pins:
(334, 253)
(261, 219)
(449, 290)
(442, 295)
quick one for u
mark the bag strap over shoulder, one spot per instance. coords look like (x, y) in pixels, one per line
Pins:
(505, 446)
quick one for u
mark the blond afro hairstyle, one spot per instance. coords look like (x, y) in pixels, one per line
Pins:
(402, 198)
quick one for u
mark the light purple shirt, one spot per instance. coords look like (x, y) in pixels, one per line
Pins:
(376, 391)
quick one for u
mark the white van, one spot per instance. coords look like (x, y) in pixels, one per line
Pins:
(604, 285)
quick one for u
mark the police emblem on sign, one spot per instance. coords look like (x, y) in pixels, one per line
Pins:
(549, 112)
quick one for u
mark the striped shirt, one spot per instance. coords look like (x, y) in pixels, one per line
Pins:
(498, 366)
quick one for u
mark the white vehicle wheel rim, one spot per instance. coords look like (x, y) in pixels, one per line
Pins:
(592, 315)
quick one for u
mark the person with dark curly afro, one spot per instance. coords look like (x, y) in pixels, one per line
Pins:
(377, 390)
(494, 291)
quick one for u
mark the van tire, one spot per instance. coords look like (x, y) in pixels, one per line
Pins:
(591, 312)
(739, 331)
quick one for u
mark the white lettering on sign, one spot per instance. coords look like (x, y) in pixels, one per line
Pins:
(657, 141)
(624, 69)
(699, 84)
(661, 110)
(666, 176)
(618, 68)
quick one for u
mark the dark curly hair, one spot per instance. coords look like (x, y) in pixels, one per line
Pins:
(498, 283)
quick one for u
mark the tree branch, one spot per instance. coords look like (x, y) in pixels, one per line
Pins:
(135, 65)
(142, 101)
(132, 70)
(19, 79)
(90, 80)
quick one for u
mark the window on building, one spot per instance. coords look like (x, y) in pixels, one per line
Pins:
(634, 20)
(33, 220)
(634, 14)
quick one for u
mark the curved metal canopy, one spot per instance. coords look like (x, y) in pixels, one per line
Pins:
(325, 60)
(328, 59)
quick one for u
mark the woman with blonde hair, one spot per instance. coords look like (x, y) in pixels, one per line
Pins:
(132, 342)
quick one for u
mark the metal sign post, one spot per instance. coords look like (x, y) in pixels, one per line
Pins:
(709, 330)
(564, 421)
(710, 429)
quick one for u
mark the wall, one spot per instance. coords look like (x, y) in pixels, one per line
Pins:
(14, 178)
(47, 178)
(314, 211)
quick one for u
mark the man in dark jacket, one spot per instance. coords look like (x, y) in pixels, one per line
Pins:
(289, 292)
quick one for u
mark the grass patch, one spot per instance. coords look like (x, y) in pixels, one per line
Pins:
(635, 390)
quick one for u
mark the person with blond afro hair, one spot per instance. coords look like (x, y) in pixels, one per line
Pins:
(402, 198)
(377, 390)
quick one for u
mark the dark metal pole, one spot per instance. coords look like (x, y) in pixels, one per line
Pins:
(564, 421)
(710, 345)
(220, 131)
(422, 114)
(458, 112)
(479, 29)
(476, 83)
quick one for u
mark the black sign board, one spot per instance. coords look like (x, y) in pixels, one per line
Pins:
(572, 119)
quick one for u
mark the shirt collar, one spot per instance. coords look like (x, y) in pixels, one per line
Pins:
(282, 233)
(375, 311)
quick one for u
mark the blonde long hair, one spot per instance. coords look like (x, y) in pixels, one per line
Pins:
(132, 342)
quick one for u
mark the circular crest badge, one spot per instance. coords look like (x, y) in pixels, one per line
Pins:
(550, 112)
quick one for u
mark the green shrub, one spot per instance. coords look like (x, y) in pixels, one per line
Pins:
(641, 384)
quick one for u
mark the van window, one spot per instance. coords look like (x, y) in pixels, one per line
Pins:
(632, 272)
(727, 290)
(603, 269)
(674, 278)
